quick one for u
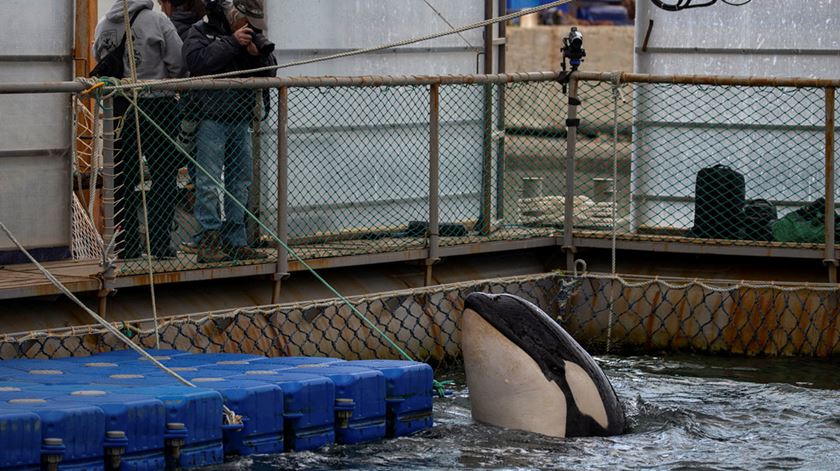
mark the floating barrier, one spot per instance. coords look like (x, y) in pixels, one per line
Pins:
(407, 396)
(115, 410)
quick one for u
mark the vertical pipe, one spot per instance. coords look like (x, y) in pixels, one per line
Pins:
(108, 174)
(830, 253)
(282, 270)
(108, 170)
(434, 180)
(254, 191)
(500, 110)
(485, 219)
(571, 143)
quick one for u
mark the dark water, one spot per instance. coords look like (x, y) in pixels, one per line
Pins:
(685, 413)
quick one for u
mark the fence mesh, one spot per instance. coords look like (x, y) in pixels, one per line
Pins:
(722, 164)
(619, 314)
(737, 165)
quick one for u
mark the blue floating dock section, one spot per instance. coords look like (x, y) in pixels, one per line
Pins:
(308, 407)
(69, 434)
(359, 401)
(408, 396)
(20, 440)
(114, 410)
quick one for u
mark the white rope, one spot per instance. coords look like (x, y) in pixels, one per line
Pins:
(129, 35)
(356, 52)
(616, 89)
(113, 330)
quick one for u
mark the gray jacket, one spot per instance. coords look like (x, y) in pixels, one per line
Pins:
(156, 42)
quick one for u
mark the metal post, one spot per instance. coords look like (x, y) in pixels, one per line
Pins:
(830, 252)
(254, 204)
(434, 180)
(571, 142)
(108, 173)
(485, 219)
(282, 270)
(500, 109)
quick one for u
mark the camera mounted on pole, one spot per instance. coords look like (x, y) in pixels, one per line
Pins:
(573, 52)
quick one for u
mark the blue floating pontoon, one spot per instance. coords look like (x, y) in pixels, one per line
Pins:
(408, 394)
(359, 401)
(308, 410)
(70, 433)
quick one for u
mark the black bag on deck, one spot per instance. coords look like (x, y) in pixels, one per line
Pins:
(759, 216)
(113, 64)
(720, 196)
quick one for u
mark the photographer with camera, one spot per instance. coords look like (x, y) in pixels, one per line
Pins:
(229, 39)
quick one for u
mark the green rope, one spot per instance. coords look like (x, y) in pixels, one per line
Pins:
(439, 387)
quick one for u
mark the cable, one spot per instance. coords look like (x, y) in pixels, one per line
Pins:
(440, 15)
(129, 35)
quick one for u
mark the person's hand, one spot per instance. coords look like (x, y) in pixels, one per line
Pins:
(252, 49)
(243, 36)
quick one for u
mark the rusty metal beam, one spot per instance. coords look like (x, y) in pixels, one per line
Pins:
(830, 259)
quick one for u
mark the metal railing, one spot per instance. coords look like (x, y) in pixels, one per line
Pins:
(354, 170)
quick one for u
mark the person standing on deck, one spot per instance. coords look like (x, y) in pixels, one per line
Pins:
(157, 53)
(224, 42)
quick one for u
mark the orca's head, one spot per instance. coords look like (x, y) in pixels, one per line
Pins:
(510, 345)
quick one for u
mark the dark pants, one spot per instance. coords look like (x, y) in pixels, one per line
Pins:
(162, 163)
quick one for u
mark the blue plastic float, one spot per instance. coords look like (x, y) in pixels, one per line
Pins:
(115, 410)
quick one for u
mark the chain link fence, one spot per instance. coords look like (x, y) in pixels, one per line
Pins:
(731, 165)
(605, 313)
(723, 165)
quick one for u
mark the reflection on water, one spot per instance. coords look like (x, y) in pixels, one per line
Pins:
(686, 412)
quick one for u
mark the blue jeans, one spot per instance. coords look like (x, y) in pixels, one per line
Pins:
(223, 150)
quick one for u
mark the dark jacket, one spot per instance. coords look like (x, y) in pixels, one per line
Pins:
(210, 48)
(183, 21)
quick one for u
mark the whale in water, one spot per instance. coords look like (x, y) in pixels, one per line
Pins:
(525, 372)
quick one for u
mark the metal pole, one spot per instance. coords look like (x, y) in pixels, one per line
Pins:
(282, 270)
(830, 252)
(108, 170)
(108, 175)
(500, 119)
(484, 220)
(572, 123)
(434, 180)
(254, 192)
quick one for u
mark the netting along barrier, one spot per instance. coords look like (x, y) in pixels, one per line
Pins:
(625, 314)
(358, 172)
(726, 164)
(701, 164)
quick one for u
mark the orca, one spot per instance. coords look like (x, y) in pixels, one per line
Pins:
(525, 372)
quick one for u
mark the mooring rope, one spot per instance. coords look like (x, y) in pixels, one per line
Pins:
(129, 36)
(230, 416)
(440, 387)
(118, 85)
(617, 95)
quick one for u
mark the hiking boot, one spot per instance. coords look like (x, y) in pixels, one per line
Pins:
(210, 249)
(247, 253)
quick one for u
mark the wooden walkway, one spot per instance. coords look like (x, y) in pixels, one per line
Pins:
(25, 281)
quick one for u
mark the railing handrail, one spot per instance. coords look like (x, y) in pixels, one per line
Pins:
(411, 80)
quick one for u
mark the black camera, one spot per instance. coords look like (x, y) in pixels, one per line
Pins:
(262, 43)
(573, 49)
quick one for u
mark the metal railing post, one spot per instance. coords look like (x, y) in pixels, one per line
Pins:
(108, 199)
(830, 252)
(485, 220)
(282, 270)
(434, 180)
(572, 123)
